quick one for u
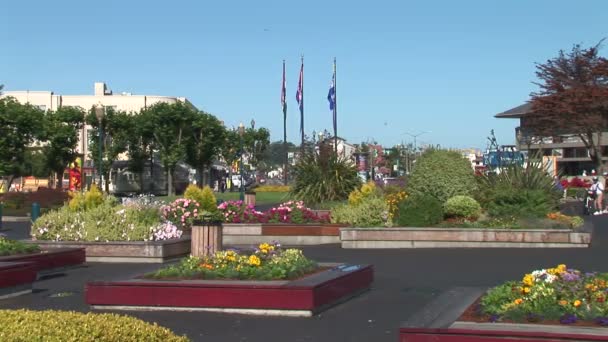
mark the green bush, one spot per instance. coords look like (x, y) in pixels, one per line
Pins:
(442, 174)
(208, 201)
(420, 211)
(462, 206)
(370, 212)
(68, 326)
(521, 203)
(323, 178)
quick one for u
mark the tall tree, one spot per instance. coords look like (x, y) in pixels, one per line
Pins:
(172, 128)
(141, 147)
(573, 99)
(116, 128)
(207, 133)
(229, 149)
(274, 156)
(256, 141)
(20, 126)
(61, 130)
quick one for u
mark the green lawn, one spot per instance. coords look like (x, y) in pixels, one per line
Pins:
(261, 198)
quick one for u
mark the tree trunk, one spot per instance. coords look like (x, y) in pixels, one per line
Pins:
(170, 190)
(58, 180)
(9, 181)
(201, 176)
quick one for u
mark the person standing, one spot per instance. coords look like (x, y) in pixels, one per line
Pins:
(598, 188)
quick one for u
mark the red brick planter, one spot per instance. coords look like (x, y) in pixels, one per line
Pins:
(301, 297)
(51, 259)
(16, 278)
(438, 322)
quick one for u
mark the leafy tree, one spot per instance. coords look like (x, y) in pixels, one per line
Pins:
(35, 163)
(20, 126)
(172, 128)
(140, 146)
(117, 127)
(61, 130)
(206, 131)
(573, 98)
(229, 149)
(256, 142)
(275, 153)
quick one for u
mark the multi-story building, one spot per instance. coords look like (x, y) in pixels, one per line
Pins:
(569, 150)
(48, 100)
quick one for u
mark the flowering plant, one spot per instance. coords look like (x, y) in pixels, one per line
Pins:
(572, 221)
(238, 212)
(392, 201)
(294, 212)
(558, 293)
(268, 261)
(181, 212)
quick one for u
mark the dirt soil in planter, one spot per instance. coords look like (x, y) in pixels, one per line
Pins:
(471, 314)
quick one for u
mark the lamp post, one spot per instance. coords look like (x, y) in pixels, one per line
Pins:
(99, 113)
(242, 188)
(416, 136)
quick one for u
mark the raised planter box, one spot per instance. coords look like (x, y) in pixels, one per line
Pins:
(460, 237)
(127, 251)
(301, 297)
(49, 260)
(16, 278)
(437, 322)
(287, 234)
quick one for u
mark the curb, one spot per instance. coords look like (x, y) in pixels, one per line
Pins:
(15, 219)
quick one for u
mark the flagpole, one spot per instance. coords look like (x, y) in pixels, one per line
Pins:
(284, 105)
(335, 112)
(302, 104)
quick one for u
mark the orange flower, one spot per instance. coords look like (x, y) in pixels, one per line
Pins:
(207, 266)
(563, 302)
(518, 301)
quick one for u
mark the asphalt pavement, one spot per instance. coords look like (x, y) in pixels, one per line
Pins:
(405, 281)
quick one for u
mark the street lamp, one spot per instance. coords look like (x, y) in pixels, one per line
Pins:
(99, 113)
(242, 188)
(416, 136)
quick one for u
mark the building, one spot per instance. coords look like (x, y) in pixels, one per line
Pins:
(127, 102)
(345, 149)
(570, 153)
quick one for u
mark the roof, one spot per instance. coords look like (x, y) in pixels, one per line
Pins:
(516, 112)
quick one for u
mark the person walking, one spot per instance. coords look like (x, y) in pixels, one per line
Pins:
(598, 188)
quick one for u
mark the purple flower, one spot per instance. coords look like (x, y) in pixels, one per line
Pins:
(570, 276)
(568, 319)
(494, 318)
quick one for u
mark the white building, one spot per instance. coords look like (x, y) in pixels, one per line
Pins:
(48, 100)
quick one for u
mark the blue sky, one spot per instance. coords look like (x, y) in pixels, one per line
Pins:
(403, 66)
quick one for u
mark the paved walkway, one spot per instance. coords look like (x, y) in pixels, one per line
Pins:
(405, 280)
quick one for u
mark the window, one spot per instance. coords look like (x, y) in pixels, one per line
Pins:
(41, 107)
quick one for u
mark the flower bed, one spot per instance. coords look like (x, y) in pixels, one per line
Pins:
(288, 212)
(267, 262)
(12, 247)
(555, 295)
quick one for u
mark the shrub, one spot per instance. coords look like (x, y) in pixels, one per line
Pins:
(208, 201)
(194, 193)
(52, 325)
(462, 206)
(367, 190)
(371, 212)
(89, 200)
(273, 188)
(442, 174)
(393, 200)
(319, 179)
(269, 261)
(106, 222)
(521, 203)
(420, 211)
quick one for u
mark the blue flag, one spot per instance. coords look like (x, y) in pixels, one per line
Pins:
(331, 96)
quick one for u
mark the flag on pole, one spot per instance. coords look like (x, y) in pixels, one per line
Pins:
(284, 93)
(331, 96)
(300, 99)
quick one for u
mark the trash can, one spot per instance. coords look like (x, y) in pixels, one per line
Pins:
(250, 198)
(206, 238)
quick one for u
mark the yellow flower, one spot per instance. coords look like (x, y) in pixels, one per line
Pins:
(254, 260)
(577, 303)
(518, 301)
(525, 290)
(528, 280)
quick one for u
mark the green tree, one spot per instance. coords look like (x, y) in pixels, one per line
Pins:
(117, 127)
(140, 146)
(172, 129)
(275, 153)
(61, 130)
(35, 163)
(255, 143)
(203, 148)
(20, 126)
(229, 149)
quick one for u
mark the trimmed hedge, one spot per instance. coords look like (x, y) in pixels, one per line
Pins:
(442, 174)
(462, 206)
(65, 326)
(420, 211)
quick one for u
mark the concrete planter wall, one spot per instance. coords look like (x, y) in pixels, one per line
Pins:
(459, 237)
(127, 251)
(287, 234)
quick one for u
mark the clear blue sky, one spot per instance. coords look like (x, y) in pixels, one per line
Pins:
(403, 66)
